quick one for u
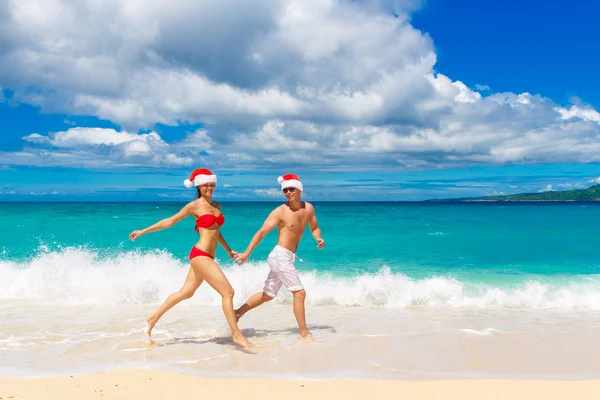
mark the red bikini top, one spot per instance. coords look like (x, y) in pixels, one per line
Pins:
(208, 220)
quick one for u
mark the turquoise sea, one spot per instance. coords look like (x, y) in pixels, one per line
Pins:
(425, 279)
(497, 244)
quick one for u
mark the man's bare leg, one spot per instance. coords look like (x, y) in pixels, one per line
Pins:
(254, 301)
(299, 297)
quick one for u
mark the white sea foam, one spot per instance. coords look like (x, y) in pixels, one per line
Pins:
(484, 332)
(80, 276)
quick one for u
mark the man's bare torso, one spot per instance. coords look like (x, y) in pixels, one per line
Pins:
(292, 225)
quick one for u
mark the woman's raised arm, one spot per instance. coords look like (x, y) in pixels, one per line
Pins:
(164, 223)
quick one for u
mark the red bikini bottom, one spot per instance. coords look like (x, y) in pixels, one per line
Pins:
(196, 252)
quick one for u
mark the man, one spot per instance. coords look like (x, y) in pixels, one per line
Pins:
(291, 219)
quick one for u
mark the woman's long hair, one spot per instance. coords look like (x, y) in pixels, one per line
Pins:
(199, 195)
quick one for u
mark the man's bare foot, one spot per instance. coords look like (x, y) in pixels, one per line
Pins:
(237, 316)
(151, 323)
(306, 336)
(241, 340)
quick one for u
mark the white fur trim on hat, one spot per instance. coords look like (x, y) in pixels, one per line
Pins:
(200, 180)
(290, 183)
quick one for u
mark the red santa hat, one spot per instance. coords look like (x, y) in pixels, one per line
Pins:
(290, 180)
(200, 176)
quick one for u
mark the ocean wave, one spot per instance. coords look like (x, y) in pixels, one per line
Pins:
(82, 276)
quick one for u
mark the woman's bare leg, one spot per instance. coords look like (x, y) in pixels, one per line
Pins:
(191, 284)
(214, 276)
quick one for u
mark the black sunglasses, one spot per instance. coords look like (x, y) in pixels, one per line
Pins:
(291, 190)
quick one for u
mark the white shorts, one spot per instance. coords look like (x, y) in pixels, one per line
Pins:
(283, 272)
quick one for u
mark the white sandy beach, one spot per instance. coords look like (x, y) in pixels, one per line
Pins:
(155, 384)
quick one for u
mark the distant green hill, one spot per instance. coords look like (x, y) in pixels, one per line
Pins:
(589, 194)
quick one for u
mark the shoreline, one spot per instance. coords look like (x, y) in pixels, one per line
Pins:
(158, 384)
(357, 343)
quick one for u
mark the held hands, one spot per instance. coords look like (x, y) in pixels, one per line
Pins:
(241, 258)
(135, 234)
(232, 254)
(320, 243)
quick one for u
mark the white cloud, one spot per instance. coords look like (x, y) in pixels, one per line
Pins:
(302, 46)
(312, 82)
(273, 136)
(596, 180)
(172, 159)
(548, 188)
(587, 114)
(174, 195)
(146, 71)
(457, 90)
(76, 137)
(32, 193)
(136, 147)
(268, 192)
(103, 147)
(571, 186)
(198, 140)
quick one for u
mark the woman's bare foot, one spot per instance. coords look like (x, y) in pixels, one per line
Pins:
(306, 335)
(151, 323)
(241, 340)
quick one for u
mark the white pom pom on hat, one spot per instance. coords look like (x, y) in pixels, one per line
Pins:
(200, 176)
(290, 180)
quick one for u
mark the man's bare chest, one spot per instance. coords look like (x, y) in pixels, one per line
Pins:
(296, 221)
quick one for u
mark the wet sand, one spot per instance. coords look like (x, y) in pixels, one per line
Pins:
(356, 343)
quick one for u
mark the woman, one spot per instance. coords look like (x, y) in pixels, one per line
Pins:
(203, 266)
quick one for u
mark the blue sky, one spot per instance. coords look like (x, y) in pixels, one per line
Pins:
(370, 100)
(534, 46)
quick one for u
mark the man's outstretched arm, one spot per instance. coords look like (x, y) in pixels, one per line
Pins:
(315, 230)
(270, 223)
